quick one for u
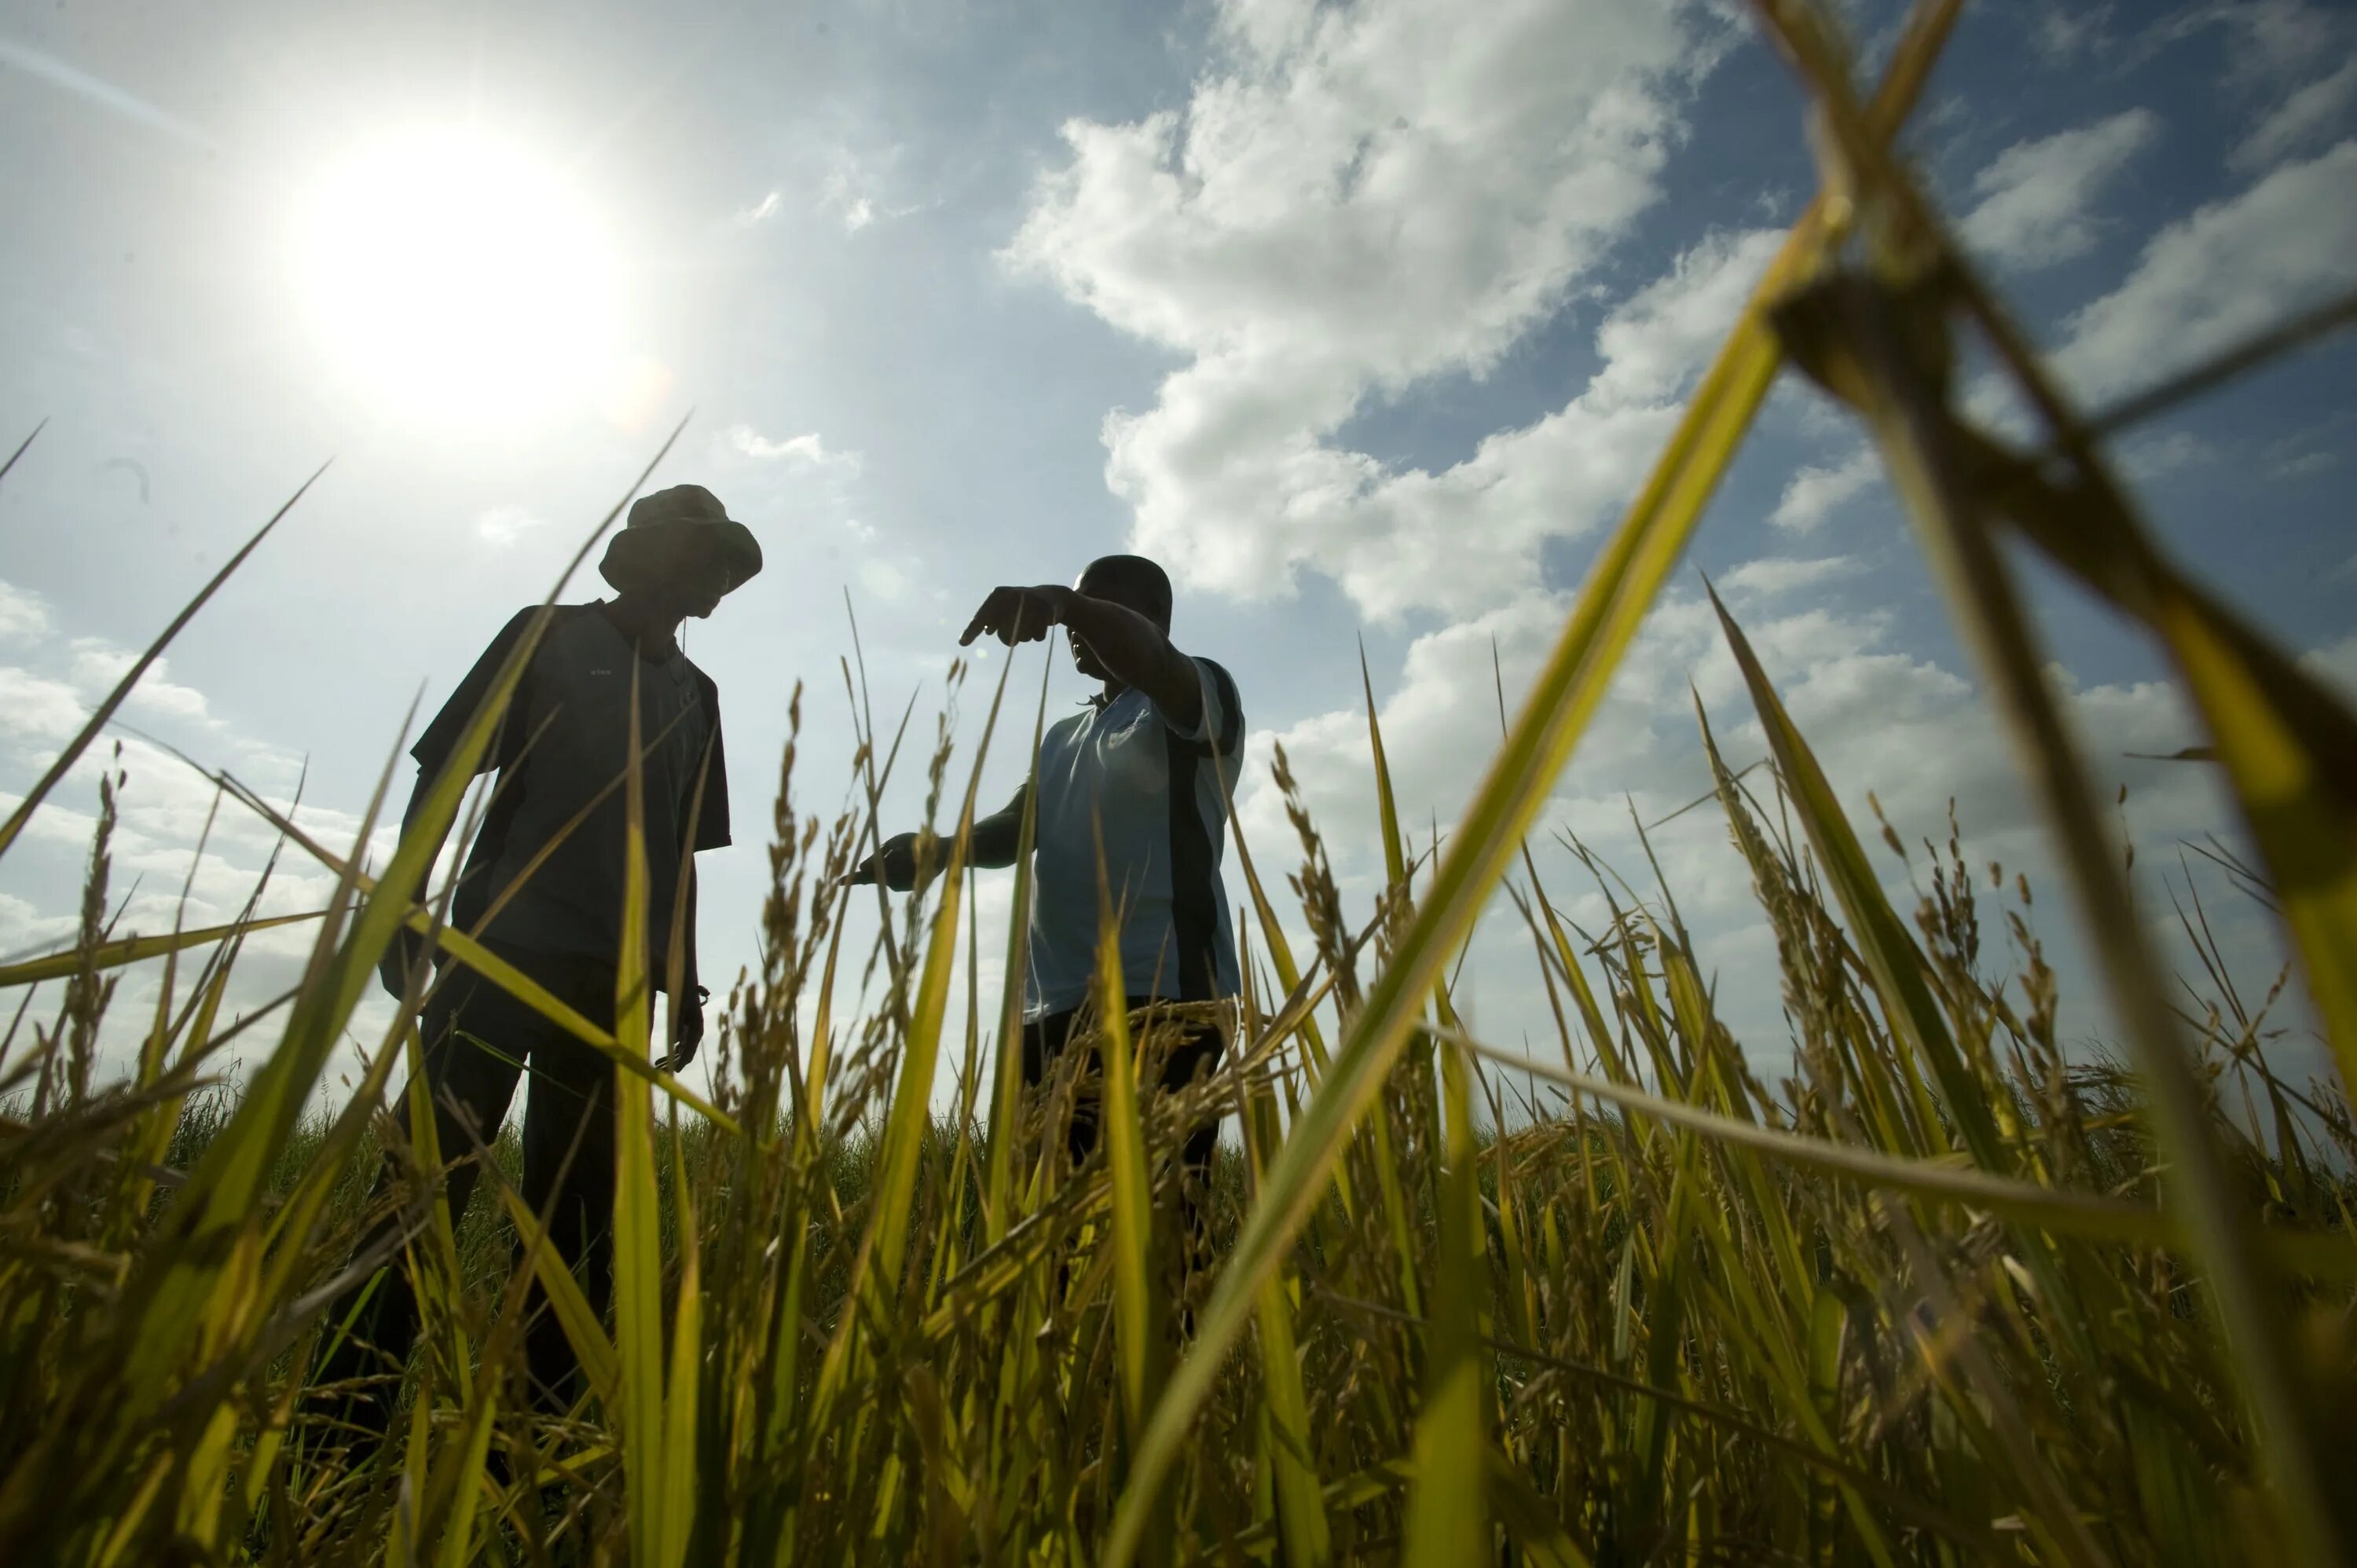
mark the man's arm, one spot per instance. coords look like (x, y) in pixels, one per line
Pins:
(1132, 650)
(996, 838)
(435, 745)
(408, 949)
(687, 1003)
(1138, 654)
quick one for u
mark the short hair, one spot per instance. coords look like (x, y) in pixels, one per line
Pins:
(1132, 581)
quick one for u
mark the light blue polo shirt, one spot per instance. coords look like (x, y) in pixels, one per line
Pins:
(1156, 794)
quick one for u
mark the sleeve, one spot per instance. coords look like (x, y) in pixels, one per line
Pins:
(1220, 726)
(441, 738)
(712, 819)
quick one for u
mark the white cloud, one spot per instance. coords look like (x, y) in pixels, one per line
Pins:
(2306, 116)
(1814, 493)
(98, 665)
(2063, 34)
(840, 198)
(761, 212)
(34, 708)
(883, 579)
(24, 615)
(503, 525)
(797, 453)
(2037, 198)
(2269, 42)
(2149, 457)
(1782, 575)
(2336, 663)
(1910, 730)
(1356, 199)
(2225, 272)
(24, 930)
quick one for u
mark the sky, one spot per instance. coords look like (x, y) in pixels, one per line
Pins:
(1365, 319)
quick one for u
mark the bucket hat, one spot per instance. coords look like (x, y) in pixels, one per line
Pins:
(670, 529)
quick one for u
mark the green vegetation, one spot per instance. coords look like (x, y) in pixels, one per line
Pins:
(1942, 1295)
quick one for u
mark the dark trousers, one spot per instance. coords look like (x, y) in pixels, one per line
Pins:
(1196, 1055)
(478, 1041)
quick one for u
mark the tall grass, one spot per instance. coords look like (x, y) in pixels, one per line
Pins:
(1936, 1293)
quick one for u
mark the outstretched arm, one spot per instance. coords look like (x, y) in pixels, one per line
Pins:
(1133, 650)
(996, 838)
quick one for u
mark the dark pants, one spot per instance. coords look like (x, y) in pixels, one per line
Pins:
(478, 1041)
(1192, 1056)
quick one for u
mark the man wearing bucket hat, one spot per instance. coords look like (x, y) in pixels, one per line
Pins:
(543, 889)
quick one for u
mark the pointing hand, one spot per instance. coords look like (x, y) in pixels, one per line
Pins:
(1015, 614)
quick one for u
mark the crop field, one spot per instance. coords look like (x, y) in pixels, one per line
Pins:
(1932, 1291)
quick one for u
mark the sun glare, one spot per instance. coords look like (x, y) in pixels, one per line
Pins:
(453, 276)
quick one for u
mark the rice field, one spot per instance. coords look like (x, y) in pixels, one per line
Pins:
(1933, 1291)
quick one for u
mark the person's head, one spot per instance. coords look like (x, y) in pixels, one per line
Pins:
(681, 553)
(1130, 581)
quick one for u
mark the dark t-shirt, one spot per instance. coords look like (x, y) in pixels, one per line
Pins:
(564, 742)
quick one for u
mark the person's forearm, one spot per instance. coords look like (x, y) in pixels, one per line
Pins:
(996, 838)
(1132, 650)
(408, 820)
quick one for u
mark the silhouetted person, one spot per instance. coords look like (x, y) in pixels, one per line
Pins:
(1145, 770)
(562, 750)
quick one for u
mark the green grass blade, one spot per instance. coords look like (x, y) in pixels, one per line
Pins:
(1300, 1510)
(1447, 1514)
(1007, 1092)
(637, 1259)
(137, 949)
(1136, 1327)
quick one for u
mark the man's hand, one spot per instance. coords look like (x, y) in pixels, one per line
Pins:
(402, 957)
(897, 857)
(687, 1034)
(1015, 614)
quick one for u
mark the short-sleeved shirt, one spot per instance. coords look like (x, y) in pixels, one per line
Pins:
(565, 739)
(1158, 796)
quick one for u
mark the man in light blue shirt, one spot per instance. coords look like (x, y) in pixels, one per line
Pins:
(1145, 770)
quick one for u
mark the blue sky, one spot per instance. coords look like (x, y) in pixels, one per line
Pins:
(1365, 319)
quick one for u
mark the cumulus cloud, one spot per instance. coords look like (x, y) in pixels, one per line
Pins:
(2150, 458)
(2337, 664)
(1814, 493)
(2063, 35)
(2306, 116)
(24, 615)
(503, 525)
(2037, 198)
(1782, 575)
(99, 665)
(840, 199)
(2225, 271)
(806, 453)
(34, 708)
(1355, 200)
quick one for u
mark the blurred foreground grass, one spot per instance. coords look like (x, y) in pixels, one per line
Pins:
(1937, 1293)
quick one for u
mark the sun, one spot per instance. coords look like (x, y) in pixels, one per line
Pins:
(453, 276)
